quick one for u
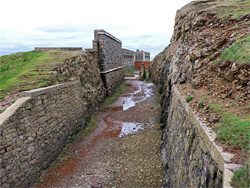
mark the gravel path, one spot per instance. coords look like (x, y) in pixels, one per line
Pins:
(123, 149)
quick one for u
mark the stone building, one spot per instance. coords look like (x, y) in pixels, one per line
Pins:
(142, 57)
(128, 60)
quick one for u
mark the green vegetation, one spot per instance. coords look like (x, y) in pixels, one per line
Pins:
(37, 180)
(92, 121)
(60, 156)
(28, 70)
(227, 9)
(54, 163)
(73, 140)
(214, 106)
(147, 73)
(239, 52)
(214, 62)
(118, 91)
(148, 81)
(201, 105)
(189, 98)
(234, 131)
(2, 111)
(131, 72)
(241, 176)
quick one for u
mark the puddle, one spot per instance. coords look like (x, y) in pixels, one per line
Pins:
(130, 128)
(144, 91)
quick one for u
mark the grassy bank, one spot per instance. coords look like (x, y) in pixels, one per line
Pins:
(28, 70)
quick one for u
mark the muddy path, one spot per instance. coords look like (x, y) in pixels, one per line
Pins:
(122, 150)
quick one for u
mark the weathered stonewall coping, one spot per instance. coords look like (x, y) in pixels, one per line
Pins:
(41, 91)
(111, 70)
(103, 32)
(30, 94)
(223, 159)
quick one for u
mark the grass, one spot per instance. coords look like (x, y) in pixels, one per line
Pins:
(234, 131)
(189, 98)
(241, 176)
(147, 73)
(37, 180)
(131, 72)
(28, 70)
(227, 9)
(92, 121)
(54, 163)
(2, 111)
(214, 106)
(148, 81)
(239, 52)
(118, 91)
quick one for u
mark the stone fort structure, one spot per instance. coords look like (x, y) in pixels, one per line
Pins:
(142, 57)
(35, 128)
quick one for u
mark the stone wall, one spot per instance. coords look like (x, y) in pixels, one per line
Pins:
(190, 154)
(110, 59)
(58, 48)
(128, 60)
(35, 128)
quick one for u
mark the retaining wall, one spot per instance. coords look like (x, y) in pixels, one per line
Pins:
(110, 59)
(34, 129)
(190, 153)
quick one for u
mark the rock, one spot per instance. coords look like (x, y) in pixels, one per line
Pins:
(204, 52)
(207, 43)
(95, 185)
(52, 72)
(213, 119)
(197, 83)
(230, 76)
(88, 173)
(234, 67)
(142, 72)
(196, 54)
(243, 78)
(232, 35)
(197, 64)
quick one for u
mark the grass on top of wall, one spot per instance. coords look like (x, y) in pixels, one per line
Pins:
(131, 72)
(241, 176)
(28, 70)
(234, 131)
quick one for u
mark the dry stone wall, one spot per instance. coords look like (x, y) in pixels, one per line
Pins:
(35, 128)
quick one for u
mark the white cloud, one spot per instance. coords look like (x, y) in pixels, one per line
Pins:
(140, 24)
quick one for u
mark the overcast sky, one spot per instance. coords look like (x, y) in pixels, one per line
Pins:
(140, 24)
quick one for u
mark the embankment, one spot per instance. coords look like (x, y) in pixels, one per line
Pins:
(205, 33)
